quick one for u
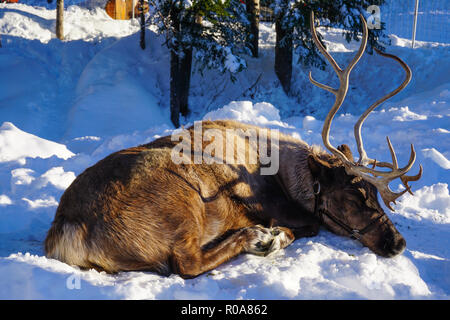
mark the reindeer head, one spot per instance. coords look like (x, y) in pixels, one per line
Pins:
(346, 190)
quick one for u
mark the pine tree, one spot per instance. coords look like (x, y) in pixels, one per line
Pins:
(213, 28)
(293, 30)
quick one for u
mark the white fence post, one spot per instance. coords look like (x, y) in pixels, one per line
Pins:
(134, 2)
(416, 9)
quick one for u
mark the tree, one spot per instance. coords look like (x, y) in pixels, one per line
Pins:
(214, 28)
(253, 16)
(283, 45)
(60, 19)
(293, 30)
(142, 23)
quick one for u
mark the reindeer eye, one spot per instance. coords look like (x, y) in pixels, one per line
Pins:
(354, 203)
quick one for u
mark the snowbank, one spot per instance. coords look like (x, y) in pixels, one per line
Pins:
(262, 113)
(87, 23)
(17, 145)
(117, 92)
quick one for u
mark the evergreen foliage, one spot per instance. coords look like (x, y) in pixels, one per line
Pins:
(294, 16)
(215, 29)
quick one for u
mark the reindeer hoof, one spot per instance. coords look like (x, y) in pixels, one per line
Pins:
(264, 241)
(282, 237)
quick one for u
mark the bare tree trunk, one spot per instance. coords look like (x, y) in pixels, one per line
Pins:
(60, 19)
(180, 82)
(253, 16)
(185, 80)
(180, 78)
(175, 74)
(283, 56)
(174, 89)
(142, 20)
(185, 75)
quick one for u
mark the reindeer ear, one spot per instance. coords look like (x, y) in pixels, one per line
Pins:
(317, 166)
(346, 151)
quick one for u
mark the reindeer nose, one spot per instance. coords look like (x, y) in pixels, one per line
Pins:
(395, 246)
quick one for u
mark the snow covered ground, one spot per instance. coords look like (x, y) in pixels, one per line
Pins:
(66, 105)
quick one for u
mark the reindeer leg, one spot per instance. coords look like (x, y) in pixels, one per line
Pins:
(306, 231)
(299, 221)
(190, 260)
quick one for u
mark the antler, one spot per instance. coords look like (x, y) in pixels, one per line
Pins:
(341, 92)
(364, 160)
(380, 179)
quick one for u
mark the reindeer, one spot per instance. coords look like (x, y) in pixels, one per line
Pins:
(138, 210)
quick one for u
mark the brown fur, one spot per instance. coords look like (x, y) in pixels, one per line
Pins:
(137, 210)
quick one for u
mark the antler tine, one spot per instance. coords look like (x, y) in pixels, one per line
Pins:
(364, 160)
(320, 46)
(362, 47)
(395, 173)
(389, 196)
(341, 92)
(393, 155)
(405, 179)
(382, 185)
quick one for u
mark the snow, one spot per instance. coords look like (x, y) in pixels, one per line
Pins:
(263, 113)
(66, 105)
(5, 200)
(437, 157)
(41, 203)
(17, 145)
(80, 23)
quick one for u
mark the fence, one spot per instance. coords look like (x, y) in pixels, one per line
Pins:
(433, 19)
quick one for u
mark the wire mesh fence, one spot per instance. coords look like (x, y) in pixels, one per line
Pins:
(51, 4)
(433, 19)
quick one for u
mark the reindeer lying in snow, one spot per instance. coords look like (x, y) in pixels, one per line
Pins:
(138, 209)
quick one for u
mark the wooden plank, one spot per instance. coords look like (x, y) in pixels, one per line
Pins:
(121, 10)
